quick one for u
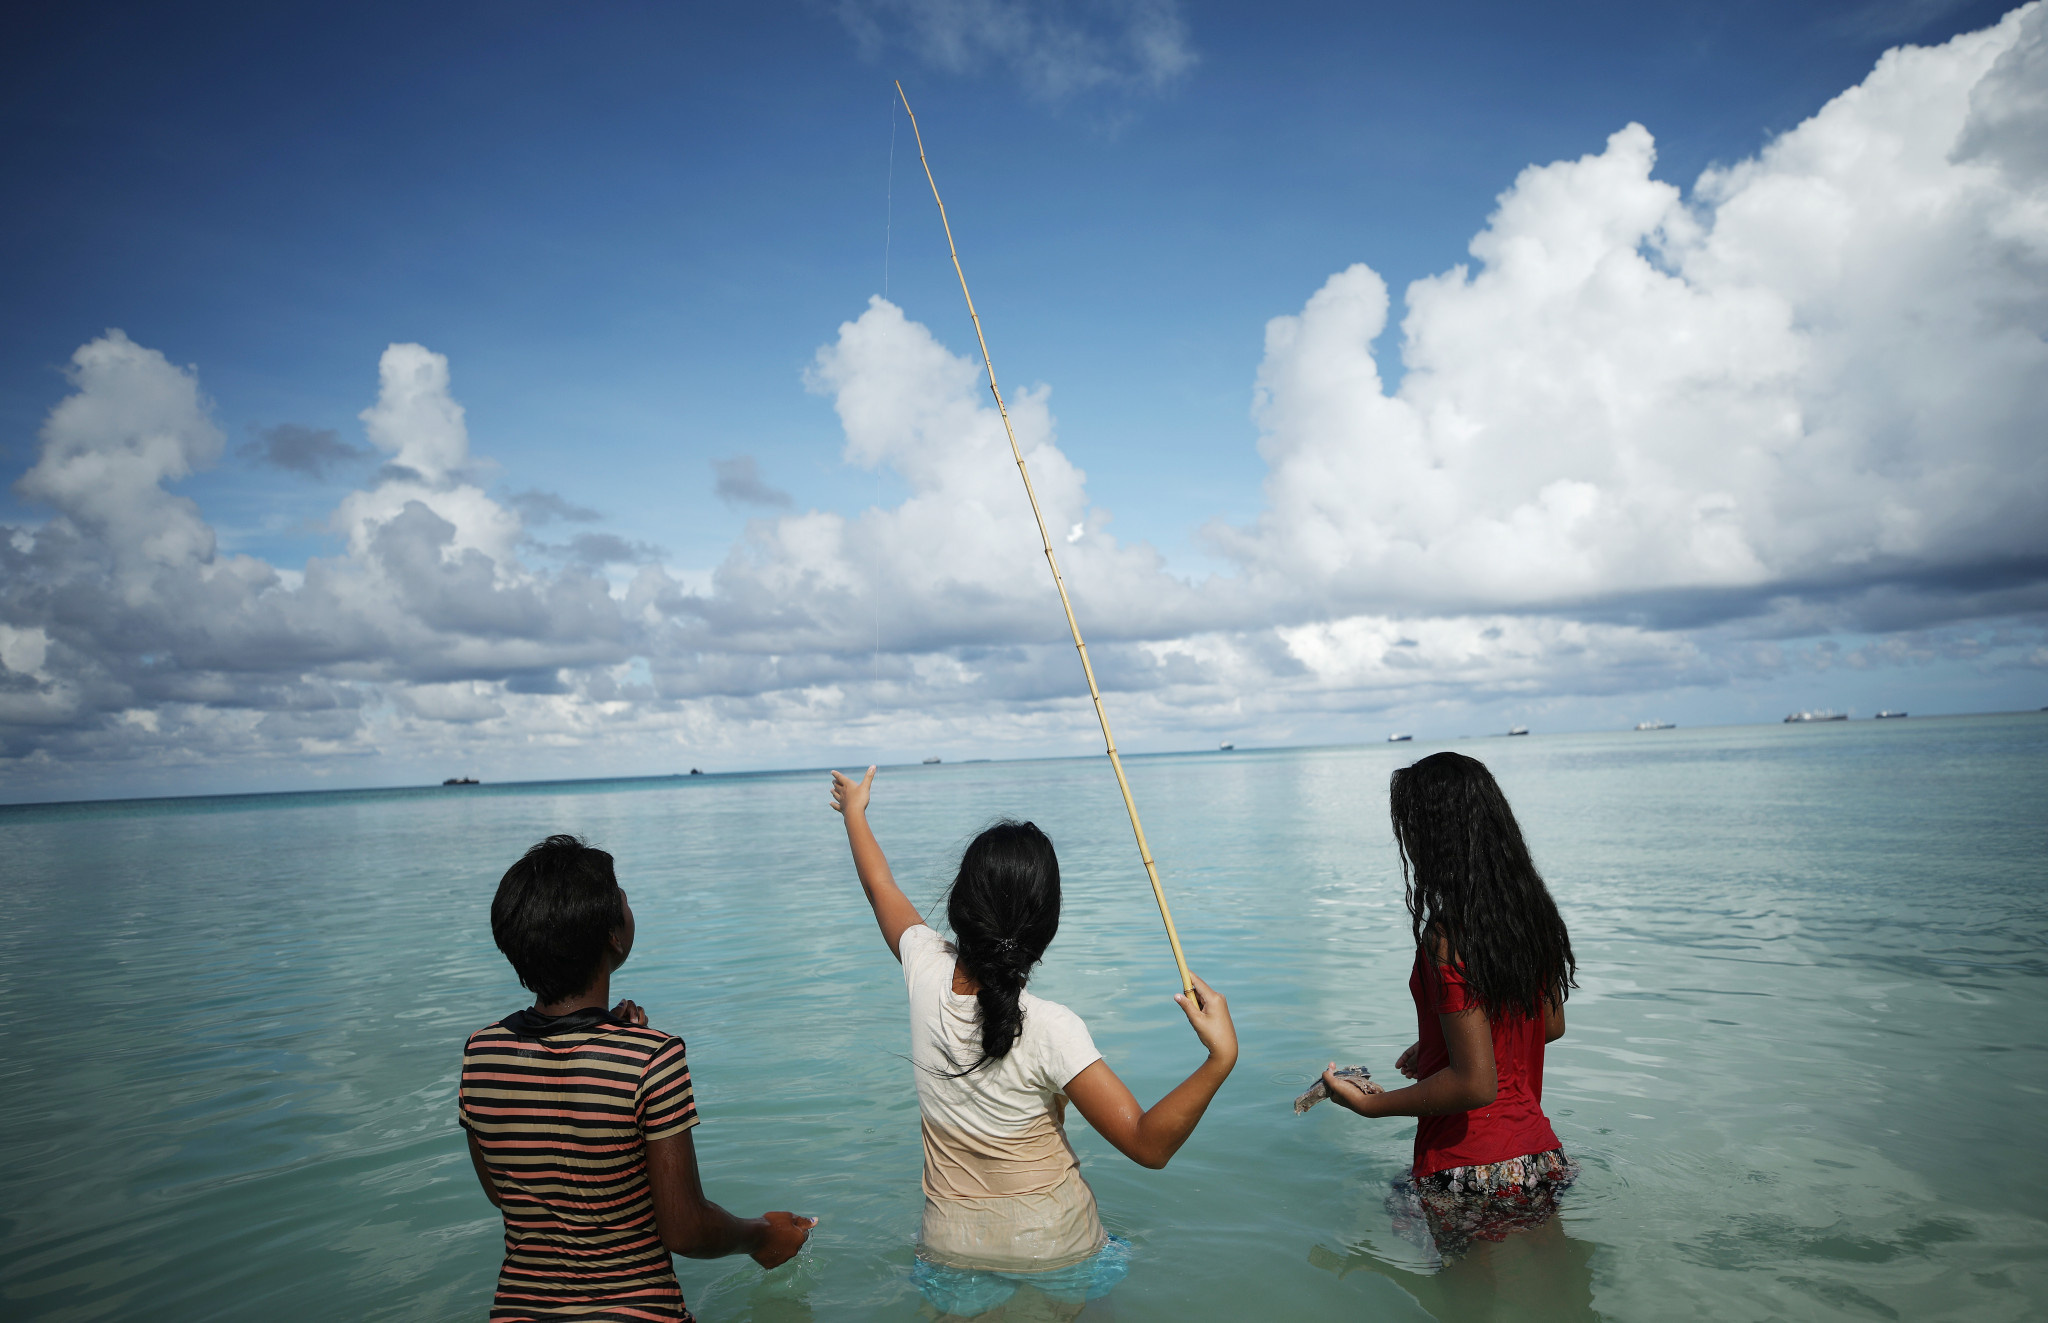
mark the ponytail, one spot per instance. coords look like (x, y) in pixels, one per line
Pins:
(1004, 909)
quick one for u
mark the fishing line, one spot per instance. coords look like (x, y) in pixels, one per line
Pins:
(888, 230)
(889, 201)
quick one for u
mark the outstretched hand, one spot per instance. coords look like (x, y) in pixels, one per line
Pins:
(850, 796)
(1209, 1013)
(1350, 1094)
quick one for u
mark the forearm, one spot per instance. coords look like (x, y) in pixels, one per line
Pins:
(713, 1233)
(893, 910)
(876, 879)
(1444, 1092)
(1169, 1122)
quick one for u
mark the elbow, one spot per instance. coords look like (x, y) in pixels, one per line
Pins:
(1155, 1161)
(1482, 1092)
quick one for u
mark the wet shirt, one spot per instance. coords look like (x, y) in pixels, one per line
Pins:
(563, 1107)
(1513, 1124)
(1003, 1189)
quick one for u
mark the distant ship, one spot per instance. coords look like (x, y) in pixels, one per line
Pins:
(461, 781)
(1888, 713)
(929, 761)
(696, 771)
(1226, 746)
(1820, 714)
(1518, 730)
(1399, 739)
(1656, 725)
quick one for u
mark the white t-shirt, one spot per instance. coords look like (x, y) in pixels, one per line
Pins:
(1003, 1188)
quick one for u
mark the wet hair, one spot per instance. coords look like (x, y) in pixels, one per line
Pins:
(554, 914)
(1468, 879)
(1004, 909)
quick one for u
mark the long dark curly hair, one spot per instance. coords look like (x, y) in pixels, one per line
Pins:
(1468, 880)
(1004, 909)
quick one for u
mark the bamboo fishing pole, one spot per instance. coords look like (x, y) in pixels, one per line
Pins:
(1187, 981)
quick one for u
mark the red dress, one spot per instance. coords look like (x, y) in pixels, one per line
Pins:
(1513, 1124)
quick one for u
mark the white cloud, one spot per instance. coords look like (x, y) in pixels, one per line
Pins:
(420, 425)
(135, 422)
(1820, 374)
(959, 561)
(1057, 50)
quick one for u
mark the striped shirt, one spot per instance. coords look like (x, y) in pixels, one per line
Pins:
(563, 1107)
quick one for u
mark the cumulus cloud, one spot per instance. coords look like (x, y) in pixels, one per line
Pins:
(1647, 439)
(1820, 375)
(958, 562)
(739, 483)
(1057, 50)
(128, 635)
(135, 422)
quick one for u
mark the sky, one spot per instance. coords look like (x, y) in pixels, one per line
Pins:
(524, 390)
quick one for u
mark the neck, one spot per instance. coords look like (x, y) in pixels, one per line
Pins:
(598, 994)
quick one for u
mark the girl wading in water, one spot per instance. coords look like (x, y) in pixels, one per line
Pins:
(1005, 1204)
(1493, 965)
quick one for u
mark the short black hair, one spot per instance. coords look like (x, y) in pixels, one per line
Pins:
(554, 912)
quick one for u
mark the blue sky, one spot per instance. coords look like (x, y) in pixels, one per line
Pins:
(630, 229)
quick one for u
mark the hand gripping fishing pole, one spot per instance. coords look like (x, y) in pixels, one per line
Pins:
(1187, 981)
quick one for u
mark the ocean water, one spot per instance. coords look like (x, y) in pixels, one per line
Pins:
(1806, 1072)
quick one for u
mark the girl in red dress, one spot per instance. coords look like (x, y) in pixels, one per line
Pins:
(1493, 965)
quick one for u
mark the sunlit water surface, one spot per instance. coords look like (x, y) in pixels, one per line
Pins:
(1805, 1069)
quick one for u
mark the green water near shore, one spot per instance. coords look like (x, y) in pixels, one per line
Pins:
(1806, 1072)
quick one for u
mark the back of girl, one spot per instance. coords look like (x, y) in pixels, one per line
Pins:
(1006, 1205)
(1493, 965)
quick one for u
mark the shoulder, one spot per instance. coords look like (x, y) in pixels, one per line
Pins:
(924, 953)
(490, 1036)
(643, 1041)
(1050, 1015)
(1056, 1030)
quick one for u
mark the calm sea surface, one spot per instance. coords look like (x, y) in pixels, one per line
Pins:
(1806, 1072)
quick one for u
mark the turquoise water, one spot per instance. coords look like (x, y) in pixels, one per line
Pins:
(1806, 1072)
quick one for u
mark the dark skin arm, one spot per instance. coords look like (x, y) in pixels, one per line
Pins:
(1553, 1029)
(1469, 1081)
(696, 1228)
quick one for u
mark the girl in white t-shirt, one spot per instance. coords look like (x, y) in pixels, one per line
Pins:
(1005, 1202)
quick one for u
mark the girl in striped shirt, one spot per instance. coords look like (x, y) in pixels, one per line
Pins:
(579, 1118)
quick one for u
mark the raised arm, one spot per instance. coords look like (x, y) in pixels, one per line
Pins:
(1150, 1137)
(893, 910)
(696, 1228)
